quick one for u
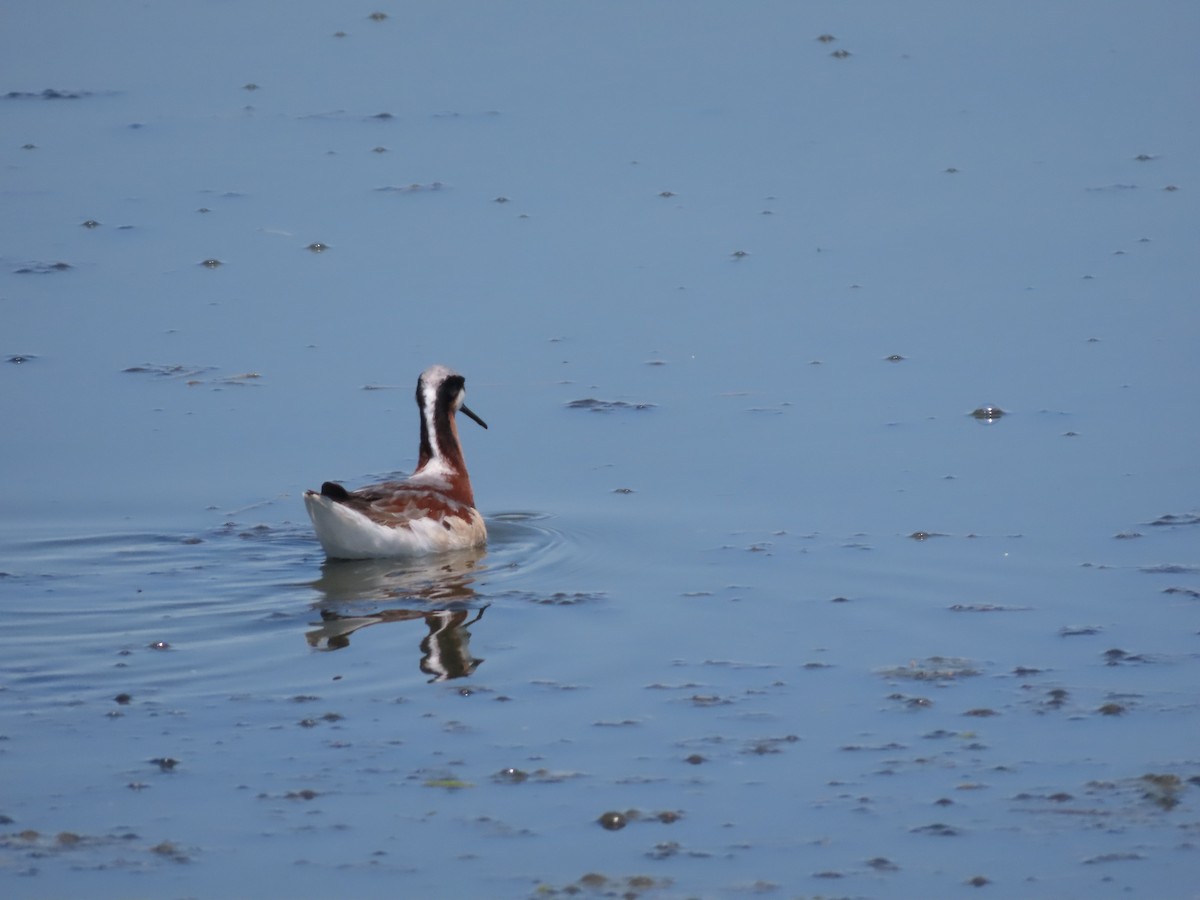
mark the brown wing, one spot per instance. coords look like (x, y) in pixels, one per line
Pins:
(396, 503)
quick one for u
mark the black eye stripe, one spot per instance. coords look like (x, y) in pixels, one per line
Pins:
(451, 388)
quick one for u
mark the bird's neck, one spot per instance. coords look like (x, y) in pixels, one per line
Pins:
(441, 454)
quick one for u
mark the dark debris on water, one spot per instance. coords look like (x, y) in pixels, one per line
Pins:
(604, 406)
(47, 94)
(38, 267)
(938, 829)
(194, 375)
(1177, 519)
(986, 607)
(411, 188)
(596, 884)
(988, 413)
(38, 846)
(935, 668)
(558, 598)
(1170, 569)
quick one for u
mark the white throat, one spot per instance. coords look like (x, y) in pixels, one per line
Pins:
(429, 410)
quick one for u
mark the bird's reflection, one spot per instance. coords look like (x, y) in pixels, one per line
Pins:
(437, 592)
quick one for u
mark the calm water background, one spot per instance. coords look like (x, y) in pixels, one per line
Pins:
(703, 603)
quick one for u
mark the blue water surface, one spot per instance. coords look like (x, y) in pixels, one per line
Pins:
(727, 281)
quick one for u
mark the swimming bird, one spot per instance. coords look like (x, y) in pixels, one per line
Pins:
(431, 511)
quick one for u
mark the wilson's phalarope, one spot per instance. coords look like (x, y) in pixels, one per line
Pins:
(433, 510)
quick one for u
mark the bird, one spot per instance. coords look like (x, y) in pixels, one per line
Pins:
(432, 511)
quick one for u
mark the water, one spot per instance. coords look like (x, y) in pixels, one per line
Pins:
(775, 597)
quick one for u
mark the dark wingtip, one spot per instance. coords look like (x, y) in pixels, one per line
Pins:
(334, 491)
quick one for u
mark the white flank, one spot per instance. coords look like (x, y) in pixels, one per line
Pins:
(346, 534)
